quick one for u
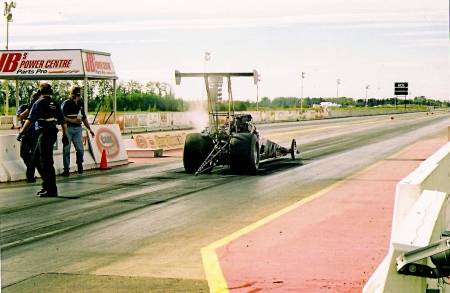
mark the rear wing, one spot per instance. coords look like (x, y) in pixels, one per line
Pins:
(178, 75)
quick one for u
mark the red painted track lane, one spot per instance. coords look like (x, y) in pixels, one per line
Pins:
(333, 243)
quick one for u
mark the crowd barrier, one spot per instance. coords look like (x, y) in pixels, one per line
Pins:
(107, 141)
(12, 164)
(180, 120)
(420, 216)
(7, 122)
(154, 120)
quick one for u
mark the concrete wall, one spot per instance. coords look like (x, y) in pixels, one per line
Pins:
(420, 216)
(175, 120)
(181, 120)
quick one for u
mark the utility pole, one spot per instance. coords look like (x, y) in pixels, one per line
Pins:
(207, 58)
(367, 91)
(337, 88)
(301, 96)
(257, 92)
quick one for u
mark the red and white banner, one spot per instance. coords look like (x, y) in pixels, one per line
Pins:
(42, 64)
(96, 64)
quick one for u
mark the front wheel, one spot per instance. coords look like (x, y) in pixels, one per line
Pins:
(244, 152)
(293, 149)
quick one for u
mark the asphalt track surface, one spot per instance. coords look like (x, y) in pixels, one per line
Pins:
(319, 223)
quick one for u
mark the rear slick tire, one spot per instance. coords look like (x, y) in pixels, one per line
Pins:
(244, 153)
(196, 150)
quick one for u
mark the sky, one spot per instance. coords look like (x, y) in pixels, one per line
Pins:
(361, 43)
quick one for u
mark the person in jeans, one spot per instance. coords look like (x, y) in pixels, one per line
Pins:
(45, 115)
(28, 142)
(75, 117)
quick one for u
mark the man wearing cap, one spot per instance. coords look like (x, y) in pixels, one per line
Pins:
(45, 114)
(75, 117)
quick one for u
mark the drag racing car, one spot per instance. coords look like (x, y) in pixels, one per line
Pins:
(230, 139)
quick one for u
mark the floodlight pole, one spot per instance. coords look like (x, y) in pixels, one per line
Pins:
(8, 17)
(337, 88)
(257, 92)
(7, 28)
(207, 58)
(301, 94)
(367, 91)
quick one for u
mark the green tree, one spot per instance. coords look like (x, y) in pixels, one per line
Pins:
(265, 102)
(316, 101)
(134, 87)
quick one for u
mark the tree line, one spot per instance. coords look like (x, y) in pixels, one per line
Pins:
(131, 95)
(345, 102)
(159, 96)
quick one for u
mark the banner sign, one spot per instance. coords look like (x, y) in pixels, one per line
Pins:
(63, 64)
(163, 140)
(164, 119)
(109, 139)
(135, 120)
(98, 65)
(153, 120)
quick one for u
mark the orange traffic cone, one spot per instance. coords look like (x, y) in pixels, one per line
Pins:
(103, 162)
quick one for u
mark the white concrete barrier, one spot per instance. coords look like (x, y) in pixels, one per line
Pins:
(268, 116)
(3, 175)
(256, 116)
(8, 122)
(134, 152)
(13, 168)
(423, 225)
(432, 174)
(419, 219)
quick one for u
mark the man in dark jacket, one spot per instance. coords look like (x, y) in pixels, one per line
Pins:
(28, 142)
(45, 115)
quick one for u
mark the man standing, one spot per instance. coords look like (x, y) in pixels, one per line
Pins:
(28, 142)
(75, 116)
(45, 115)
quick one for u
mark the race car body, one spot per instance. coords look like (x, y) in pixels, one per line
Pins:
(230, 139)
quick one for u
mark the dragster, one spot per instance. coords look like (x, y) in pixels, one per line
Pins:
(230, 139)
